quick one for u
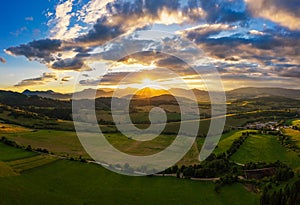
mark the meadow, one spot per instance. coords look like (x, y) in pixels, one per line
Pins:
(256, 148)
(49, 180)
(265, 148)
(67, 182)
(294, 134)
(296, 123)
(8, 154)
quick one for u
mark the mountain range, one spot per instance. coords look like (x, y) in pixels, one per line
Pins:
(201, 95)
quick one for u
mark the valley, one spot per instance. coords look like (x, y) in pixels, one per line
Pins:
(38, 136)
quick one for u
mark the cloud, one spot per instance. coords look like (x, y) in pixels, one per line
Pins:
(90, 82)
(75, 64)
(240, 37)
(93, 10)
(2, 60)
(29, 18)
(120, 17)
(266, 48)
(126, 17)
(19, 31)
(46, 77)
(66, 79)
(41, 50)
(101, 33)
(159, 75)
(220, 11)
(61, 21)
(286, 13)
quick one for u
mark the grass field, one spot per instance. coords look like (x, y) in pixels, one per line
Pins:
(21, 165)
(295, 134)
(8, 153)
(265, 148)
(58, 142)
(66, 143)
(66, 182)
(37, 123)
(138, 147)
(225, 141)
(6, 170)
(296, 123)
(9, 128)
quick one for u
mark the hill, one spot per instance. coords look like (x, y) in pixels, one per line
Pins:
(252, 92)
(85, 94)
(47, 94)
(201, 95)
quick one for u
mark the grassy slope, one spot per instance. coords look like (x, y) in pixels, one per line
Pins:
(66, 182)
(265, 148)
(37, 123)
(296, 123)
(64, 142)
(8, 153)
(225, 141)
(59, 142)
(6, 170)
(295, 134)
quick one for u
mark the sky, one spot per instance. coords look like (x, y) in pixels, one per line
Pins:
(52, 44)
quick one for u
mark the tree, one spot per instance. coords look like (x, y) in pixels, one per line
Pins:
(29, 148)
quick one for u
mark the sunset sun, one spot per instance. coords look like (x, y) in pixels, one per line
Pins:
(147, 82)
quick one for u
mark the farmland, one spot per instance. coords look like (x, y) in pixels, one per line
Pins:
(47, 161)
(265, 148)
(54, 182)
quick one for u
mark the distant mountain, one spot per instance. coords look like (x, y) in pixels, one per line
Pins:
(18, 100)
(48, 94)
(85, 94)
(91, 94)
(252, 92)
(201, 96)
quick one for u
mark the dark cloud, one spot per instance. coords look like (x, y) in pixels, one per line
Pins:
(285, 13)
(90, 82)
(228, 37)
(220, 11)
(46, 77)
(101, 32)
(122, 17)
(66, 79)
(2, 60)
(69, 64)
(268, 49)
(290, 70)
(41, 50)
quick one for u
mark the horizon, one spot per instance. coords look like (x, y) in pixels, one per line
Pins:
(137, 89)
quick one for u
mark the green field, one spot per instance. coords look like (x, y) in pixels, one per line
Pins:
(295, 134)
(225, 141)
(37, 123)
(66, 182)
(6, 170)
(65, 143)
(59, 142)
(8, 153)
(296, 123)
(265, 148)
(22, 165)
